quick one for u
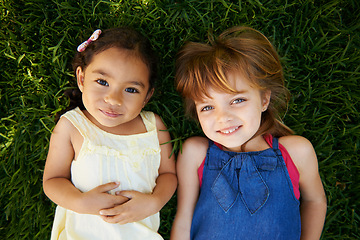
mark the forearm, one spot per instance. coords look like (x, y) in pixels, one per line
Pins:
(180, 229)
(166, 184)
(62, 192)
(312, 218)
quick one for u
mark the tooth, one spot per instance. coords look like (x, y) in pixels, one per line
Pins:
(230, 130)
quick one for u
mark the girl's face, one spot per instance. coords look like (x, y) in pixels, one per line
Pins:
(114, 89)
(232, 119)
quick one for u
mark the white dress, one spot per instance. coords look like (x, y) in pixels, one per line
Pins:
(132, 160)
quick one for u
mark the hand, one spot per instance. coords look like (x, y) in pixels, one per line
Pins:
(140, 206)
(98, 198)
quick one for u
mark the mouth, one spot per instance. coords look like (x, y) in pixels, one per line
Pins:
(229, 130)
(110, 113)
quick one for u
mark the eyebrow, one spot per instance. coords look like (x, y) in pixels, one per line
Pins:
(101, 72)
(234, 94)
(140, 84)
(241, 92)
(134, 82)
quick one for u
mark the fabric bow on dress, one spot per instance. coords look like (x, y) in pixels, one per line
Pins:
(240, 176)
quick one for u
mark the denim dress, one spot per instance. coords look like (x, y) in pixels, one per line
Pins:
(246, 195)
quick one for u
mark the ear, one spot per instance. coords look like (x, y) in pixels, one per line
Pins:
(148, 96)
(80, 78)
(266, 100)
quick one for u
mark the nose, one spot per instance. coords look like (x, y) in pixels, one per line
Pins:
(113, 98)
(223, 115)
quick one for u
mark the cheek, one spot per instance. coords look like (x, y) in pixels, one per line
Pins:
(205, 123)
(207, 130)
(90, 90)
(136, 100)
(86, 96)
(256, 122)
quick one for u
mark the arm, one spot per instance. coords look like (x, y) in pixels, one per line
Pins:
(313, 200)
(189, 160)
(142, 205)
(57, 178)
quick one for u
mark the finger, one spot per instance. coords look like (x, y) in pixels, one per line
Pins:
(112, 211)
(128, 194)
(116, 219)
(108, 186)
(119, 199)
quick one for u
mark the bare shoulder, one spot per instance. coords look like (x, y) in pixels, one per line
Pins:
(194, 149)
(66, 133)
(64, 127)
(159, 122)
(163, 133)
(295, 143)
(189, 159)
(301, 151)
(199, 143)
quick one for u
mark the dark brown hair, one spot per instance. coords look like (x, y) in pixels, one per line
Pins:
(244, 51)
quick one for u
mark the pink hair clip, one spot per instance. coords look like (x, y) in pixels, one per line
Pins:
(93, 38)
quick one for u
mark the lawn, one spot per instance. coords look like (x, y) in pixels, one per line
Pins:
(319, 45)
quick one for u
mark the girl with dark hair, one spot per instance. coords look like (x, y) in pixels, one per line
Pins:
(109, 167)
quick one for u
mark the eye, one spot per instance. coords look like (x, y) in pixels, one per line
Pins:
(102, 82)
(238, 100)
(131, 90)
(206, 108)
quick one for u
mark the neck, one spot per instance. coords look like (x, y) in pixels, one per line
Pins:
(255, 144)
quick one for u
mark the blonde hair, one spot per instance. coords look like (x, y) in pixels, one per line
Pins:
(242, 50)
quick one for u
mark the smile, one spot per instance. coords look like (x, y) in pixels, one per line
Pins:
(110, 114)
(230, 130)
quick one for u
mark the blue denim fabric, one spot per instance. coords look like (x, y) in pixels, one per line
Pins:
(246, 195)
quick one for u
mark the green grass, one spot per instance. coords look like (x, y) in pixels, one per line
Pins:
(319, 46)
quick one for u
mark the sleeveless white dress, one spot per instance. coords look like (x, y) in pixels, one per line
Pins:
(132, 160)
